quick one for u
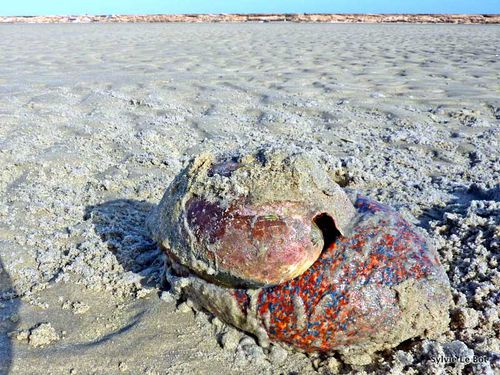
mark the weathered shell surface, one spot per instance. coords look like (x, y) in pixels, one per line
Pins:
(368, 291)
(249, 220)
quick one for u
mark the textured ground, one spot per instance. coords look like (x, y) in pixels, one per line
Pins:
(95, 121)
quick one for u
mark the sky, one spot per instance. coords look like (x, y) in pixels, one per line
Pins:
(76, 7)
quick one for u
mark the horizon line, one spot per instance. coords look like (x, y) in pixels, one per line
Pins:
(250, 14)
(228, 18)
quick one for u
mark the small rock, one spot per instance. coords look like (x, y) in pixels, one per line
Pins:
(246, 341)
(254, 352)
(77, 307)
(277, 355)
(80, 308)
(230, 339)
(251, 351)
(333, 365)
(465, 317)
(357, 359)
(122, 366)
(22, 335)
(42, 335)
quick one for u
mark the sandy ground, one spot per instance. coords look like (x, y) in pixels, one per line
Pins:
(95, 121)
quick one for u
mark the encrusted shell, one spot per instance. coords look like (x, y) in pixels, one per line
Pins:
(370, 290)
(250, 220)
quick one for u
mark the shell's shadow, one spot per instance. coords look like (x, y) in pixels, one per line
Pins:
(9, 306)
(121, 224)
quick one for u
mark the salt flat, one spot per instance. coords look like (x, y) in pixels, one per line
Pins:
(96, 120)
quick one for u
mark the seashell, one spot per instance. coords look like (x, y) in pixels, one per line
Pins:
(369, 290)
(250, 220)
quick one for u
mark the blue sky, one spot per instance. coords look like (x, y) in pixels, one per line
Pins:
(47, 7)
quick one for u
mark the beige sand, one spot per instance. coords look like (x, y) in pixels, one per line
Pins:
(96, 120)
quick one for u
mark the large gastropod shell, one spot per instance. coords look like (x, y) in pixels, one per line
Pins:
(270, 244)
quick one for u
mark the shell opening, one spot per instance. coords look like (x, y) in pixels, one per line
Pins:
(326, 225)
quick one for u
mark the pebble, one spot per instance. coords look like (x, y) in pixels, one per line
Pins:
(230, 339)
(464, 317)
(42, 335)
(333, 365)
(277, 354)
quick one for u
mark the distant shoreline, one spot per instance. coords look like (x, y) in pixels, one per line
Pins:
(234, 18)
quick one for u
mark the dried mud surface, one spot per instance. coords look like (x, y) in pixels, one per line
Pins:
(96, 120)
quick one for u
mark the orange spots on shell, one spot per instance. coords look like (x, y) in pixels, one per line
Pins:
(339, 290)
